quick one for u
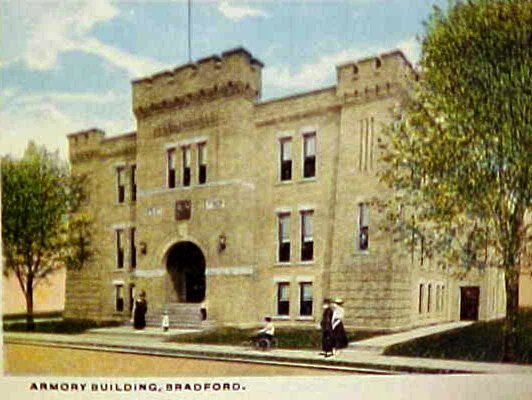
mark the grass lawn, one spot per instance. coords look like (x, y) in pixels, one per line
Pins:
(481, 341)
(287, 338)
(59, 326)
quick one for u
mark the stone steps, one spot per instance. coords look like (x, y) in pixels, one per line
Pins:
(181, 315)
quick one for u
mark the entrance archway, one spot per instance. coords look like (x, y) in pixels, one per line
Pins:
(185, 264)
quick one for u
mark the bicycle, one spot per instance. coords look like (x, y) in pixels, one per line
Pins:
(260, 343)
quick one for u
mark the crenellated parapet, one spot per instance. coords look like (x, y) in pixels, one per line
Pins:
(235, 72)
(374, 76)
(84, 144)
(91, 144)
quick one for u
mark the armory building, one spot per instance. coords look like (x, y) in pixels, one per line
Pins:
(257, 208)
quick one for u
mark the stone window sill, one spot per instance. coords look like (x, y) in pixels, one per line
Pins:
(282, 264)
(284, 183)
(281, 317)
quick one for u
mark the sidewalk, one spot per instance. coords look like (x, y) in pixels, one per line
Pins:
(379, 343)
(350, 360)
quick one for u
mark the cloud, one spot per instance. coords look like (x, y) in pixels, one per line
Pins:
(13, 97)
(322, 72)
(135, 66)
(236, 13)
(48, 30)
(46, 118)
(43, 123)
(61, 27)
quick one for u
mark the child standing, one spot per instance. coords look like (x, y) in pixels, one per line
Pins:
(166, 321)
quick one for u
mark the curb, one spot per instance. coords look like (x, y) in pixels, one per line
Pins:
(338, 365)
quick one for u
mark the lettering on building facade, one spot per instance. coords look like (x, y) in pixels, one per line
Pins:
(169, 127)
(212, 204)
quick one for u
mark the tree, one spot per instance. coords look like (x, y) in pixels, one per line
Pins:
(42, 228)
(460, 151)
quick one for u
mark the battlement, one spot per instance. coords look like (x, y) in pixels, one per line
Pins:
(92, 143)
(85, 138)
(374, 75)
(235, 71)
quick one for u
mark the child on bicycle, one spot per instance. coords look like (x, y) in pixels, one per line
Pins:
(267, 331)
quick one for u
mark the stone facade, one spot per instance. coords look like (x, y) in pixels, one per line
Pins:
(253, 207)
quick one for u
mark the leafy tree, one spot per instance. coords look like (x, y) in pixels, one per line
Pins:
(460, 151)
(42, 228)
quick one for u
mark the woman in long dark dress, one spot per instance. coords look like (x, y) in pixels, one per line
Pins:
(139, 311)
(327, 338)
(340, 337)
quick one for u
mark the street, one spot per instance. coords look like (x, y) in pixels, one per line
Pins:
(21, 360)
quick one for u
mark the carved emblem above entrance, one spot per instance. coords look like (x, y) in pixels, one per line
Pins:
(183, 209)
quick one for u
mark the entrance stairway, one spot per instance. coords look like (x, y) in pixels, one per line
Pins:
(182, 315)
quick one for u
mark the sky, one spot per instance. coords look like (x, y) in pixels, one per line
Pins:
(66, 66)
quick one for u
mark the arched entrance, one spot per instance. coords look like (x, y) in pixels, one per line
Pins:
(185, 264)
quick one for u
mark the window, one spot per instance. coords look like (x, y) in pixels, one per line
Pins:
(202, 163)
(421, 249)
(119, 249)
(186, 165)
(363, 226)
(286, 159)
(437, 305)
(442, 297)
(283, 302)
(133, 249)
(120, 187)
(429, 297)
(284, 238)
(131, 296)
(309, 155)
(119, 298)
(421, 290)
(133, 183)
(171, 168)
(305, 299)
(307, 240)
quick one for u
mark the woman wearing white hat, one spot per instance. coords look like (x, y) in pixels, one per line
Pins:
(340, 337)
